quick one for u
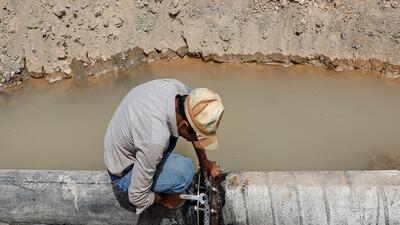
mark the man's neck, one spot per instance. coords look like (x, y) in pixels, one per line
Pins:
(178, 117)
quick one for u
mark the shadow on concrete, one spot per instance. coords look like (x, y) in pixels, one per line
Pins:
(156, 214)
(123, 199)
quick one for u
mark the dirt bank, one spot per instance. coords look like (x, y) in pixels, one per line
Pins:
(385, 161)
(76, 38)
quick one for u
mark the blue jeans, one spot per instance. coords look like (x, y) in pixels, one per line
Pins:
(174, 174)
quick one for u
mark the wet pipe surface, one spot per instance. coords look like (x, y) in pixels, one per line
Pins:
(209, 211)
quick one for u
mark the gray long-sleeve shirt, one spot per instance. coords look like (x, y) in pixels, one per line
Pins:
(139, 133)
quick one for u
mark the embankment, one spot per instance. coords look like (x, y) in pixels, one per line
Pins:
(76, 38)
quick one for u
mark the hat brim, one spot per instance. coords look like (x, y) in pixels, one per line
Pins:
(207, 142)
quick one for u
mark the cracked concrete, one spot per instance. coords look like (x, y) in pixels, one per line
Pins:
(319, 197)
(76, 38)
(294, 197)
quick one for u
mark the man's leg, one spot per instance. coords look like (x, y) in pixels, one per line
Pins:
(121, 182)
(174, 174)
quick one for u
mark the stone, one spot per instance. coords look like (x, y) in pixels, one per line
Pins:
(75, 8)
(14, 24)
(59, 12)
(174, 8)
(265, 34)
(174, 11)
(226, 46)
(54, 79)
(225, 34)
(298, 30)
(118, 21)
(301, 2)
(106, 23)
(85, 5)
(80, 22)
(396, 36)
(175, 3)
(34, 24)
(7, 76)
(93, 24)
(60, 52)
(98, 12)
(356, 46)
(283, 3)
(142, 3)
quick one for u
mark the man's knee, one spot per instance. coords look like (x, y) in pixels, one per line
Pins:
(176, 175)
(187, 171)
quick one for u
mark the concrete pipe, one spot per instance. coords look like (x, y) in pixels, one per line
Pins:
(320, 198)
(83, 197)
(71, 197)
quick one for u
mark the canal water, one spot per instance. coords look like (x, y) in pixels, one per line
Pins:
(276, 118)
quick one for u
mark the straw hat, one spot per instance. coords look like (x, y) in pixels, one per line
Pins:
(204, 109)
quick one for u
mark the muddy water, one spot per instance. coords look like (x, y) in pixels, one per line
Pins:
(295, 118)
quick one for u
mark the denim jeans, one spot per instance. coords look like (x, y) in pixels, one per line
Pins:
(174, 174)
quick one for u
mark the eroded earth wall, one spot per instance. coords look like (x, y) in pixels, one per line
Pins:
(76, 38)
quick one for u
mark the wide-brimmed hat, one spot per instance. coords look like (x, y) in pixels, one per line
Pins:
(204, 109)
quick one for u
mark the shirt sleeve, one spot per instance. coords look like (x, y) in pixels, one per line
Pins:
(148, 155)
(185, 89)
(188, 89)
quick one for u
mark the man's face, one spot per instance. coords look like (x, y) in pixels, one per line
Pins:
(185, 131)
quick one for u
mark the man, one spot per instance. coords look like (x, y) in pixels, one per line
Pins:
(143, 132)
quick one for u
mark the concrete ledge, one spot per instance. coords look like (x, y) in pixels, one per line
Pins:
(336, 197)
(71, 197)
(87, 197)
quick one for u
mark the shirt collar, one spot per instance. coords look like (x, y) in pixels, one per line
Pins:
(171, 116)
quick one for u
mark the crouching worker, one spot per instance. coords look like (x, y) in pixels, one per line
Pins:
(144, 130)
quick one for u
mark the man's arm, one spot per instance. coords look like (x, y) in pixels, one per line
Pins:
(207, 167)
(140, 194)
(147, 158)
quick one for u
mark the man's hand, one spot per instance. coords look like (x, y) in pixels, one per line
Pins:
(209, 168)
(170, 201)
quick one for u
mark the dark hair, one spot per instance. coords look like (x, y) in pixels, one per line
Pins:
(181, 106)
(181, 111)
